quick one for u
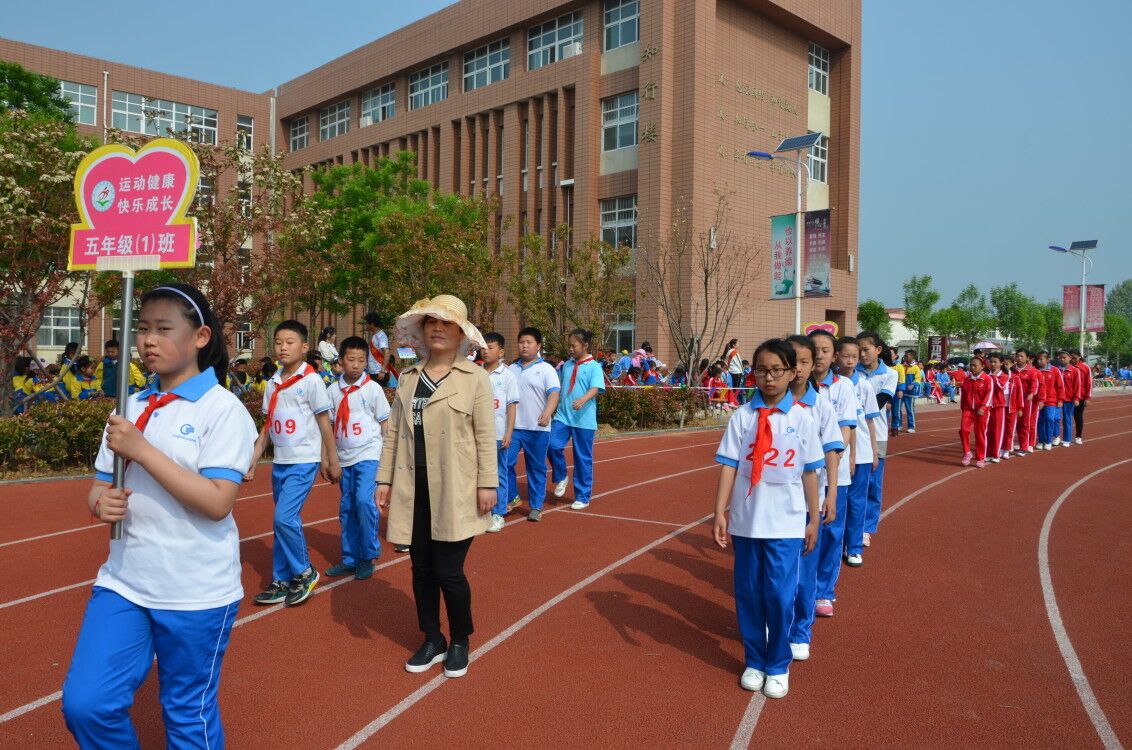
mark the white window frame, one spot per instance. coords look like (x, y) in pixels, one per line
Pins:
(83, 99)
(619, 215)
(206, 192)
(622, 23)
(819, 160)
(428, 86)
(379, 104)
(546, 41)
(489, 64)
(300, 132)
(56, 319)
(819, 69)
(619, 117)
(334, 120)
(245, 132)
(140, 114)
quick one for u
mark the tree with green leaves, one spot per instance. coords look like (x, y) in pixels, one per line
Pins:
(972, 314)
(1011, 309)
(1116, 339)
(920, 299)
(1055, 338)
(37, 95)
(873, 316)
(1119, 300)
(945, 322)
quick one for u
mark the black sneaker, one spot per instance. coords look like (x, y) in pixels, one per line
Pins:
(456, 662)
(273, 594)
(428, 654)
(401, 548)
(364, 570)
(301, 587)
(534, 515)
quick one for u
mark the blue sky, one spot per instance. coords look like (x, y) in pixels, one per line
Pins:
(989, 129)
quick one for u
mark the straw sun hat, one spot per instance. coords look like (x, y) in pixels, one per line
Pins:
(409, 330)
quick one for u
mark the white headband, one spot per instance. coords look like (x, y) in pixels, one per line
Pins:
(188, 299)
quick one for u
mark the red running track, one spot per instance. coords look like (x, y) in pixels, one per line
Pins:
(616, 626)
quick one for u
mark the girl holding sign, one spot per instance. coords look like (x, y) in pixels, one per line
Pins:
(770, 454)
(171, 585)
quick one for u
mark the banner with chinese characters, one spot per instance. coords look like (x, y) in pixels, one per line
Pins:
(133, 204)
(782, 256)
(1071, 308)
(817, 254)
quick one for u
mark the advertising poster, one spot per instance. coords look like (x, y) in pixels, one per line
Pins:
(817, 254)
(782, 256)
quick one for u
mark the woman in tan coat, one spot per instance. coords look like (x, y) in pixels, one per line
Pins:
(438, 474)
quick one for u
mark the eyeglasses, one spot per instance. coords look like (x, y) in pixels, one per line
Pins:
(773, 373)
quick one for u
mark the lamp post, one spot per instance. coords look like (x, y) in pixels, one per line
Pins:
(797, 144)
(1079, 249)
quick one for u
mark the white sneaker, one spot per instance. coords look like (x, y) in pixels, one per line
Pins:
(1056, 441)
(855, 561)
(1006, 454)
(1078, 441)
(497, 523)
(800, 651)
(752, 680)
(579, 505)
(1030, 449)
(911, 430)
(776, 686)
(560, 488)
(995, 460)
(1067, 444)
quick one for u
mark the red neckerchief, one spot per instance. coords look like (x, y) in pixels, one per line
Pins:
(764, 439)
(307, 370)
(342, 418)
(574, 372)
(154, 403)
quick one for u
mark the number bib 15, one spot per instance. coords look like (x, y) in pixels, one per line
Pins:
(782, 464)
(285, 428)
(354, 435)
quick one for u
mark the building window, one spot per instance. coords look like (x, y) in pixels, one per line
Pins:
(622, 23)
(619, 332)
(83, 99)
(245, 132)
(487, 64)
(619, 121)
(334, 121)
(619, 221)
(428, 86)
(298, 133)
(819, 69)
(58, 327)
(378, 105)
(244, 190)
(819, 159)
(206, 188)
(554, 40)
(245, 338)
(139, 114)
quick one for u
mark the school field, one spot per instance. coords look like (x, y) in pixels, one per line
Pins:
(992, 612)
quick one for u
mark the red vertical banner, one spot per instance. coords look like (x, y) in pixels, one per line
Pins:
(1071, 308)
(1094, 308)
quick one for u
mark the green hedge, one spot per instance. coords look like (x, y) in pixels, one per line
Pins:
(66, 435)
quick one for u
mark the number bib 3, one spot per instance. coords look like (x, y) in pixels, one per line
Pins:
(782, 464)
(284, 428)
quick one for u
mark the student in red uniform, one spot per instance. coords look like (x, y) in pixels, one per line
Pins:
(974, 408)
(1084, 393)
(1029, 385)
(996, 425)
(1050, 399)
(1015, 402)
(1072, 378)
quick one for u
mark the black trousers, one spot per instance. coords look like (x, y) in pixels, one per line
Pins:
(1079, 418)
(438, 567)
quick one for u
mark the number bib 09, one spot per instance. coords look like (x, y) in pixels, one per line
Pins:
(285, 428)
(782, 464)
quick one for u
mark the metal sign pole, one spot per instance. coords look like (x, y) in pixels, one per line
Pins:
(126, 339)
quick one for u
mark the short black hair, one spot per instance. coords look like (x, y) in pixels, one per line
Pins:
(495, 337)
(582, 334)
(373, 319)
(871, 336)
(531, 331)
(292, 325)
(112, 343)
(780, 348)
(846, 341)
(352, 342)
(1022, 350)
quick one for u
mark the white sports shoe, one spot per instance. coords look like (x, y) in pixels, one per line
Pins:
(578, 505)
(800, 651)
(752, 680)
(911, 430)
(1067, 444)
(1056, 441)
(1078, 441)
(497, 523)
(560, 488)
(854, 561)
(776, 686)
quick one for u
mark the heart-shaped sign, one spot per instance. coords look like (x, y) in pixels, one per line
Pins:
(132, 204)
(828, 326)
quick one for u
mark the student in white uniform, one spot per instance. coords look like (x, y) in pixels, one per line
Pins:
(377, 365)
(538, 399)
(866, 453)
(360, 414)
(171, 586)
(770, 453)
(505, 396)
(884, 381)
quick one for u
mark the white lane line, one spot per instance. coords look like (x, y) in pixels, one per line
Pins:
(1053, 612)
(620, 518)
(16, 712)
(422, 692)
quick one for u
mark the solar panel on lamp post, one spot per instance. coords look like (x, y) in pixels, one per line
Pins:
(797, 144)
(1079, 249)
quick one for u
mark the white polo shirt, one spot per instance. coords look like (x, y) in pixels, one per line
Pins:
(505, 390)
(377, 341)
(829, 432)
(775, 508)
(170, 557)
(867, 410)
(884, 381)
(361, 439)
(293, 430)
(842, 396)
(536, 382)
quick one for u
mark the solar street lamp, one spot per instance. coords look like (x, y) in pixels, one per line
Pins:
(1079, 249)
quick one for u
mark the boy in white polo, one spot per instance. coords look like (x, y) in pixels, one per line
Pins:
(298, 426)
(378, 350)
(538, 399)
(360, 412)
(505, 391)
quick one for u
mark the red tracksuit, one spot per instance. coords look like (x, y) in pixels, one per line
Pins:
(1086, 383)
(1052, 392)
(976, 393)
(996, 425)
(1072, 377)
(1015, 404)
(1030, 382)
